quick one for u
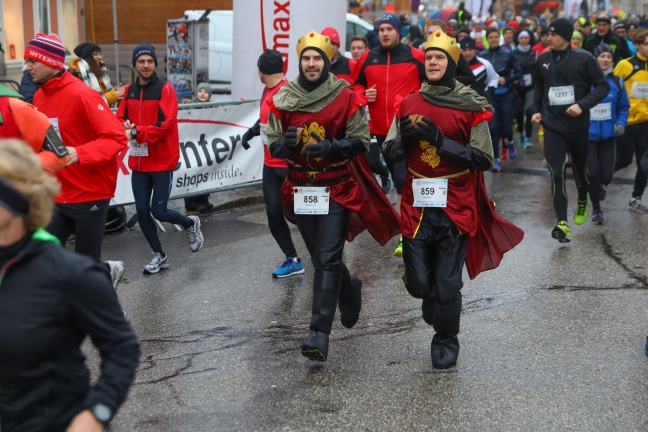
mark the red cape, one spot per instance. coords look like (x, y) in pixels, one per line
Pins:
(494, 237)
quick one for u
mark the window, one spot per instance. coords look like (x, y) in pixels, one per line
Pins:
(13, 27)
(68, 25)
(42, 16)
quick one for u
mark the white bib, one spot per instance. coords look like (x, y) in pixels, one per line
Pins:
(563, 95)
(264, 134)
(601, 112)
(430, 192)
(138, 149)
(311, 200)
(528, 80)
(639, 90)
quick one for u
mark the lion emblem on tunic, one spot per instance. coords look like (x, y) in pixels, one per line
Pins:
(313, 127)
(429, 155)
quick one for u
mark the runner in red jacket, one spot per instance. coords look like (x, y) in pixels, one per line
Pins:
(149, 112)
(93, 136)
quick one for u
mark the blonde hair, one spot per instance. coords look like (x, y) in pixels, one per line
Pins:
(20, 166)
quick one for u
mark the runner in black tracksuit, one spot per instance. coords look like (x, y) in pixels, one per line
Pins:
(564, 78)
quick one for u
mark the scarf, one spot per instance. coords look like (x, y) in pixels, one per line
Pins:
(524, 48)
(460, 98)
(292, 97)
(91, 80)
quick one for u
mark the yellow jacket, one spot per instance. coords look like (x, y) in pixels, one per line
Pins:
(634, 70)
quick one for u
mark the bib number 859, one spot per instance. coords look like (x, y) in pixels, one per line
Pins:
(427, 191)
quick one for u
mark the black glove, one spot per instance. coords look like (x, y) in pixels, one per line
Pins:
(321, 149)
(406, 127)
(290, 137)
(254, 131)
(428, 131)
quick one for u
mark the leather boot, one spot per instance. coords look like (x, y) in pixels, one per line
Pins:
(350, 300)
(326, 287)
(427, 307)
(444, 348)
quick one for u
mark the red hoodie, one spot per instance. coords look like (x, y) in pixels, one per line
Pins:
(86, 123)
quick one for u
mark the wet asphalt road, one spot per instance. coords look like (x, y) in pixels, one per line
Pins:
(552, 340)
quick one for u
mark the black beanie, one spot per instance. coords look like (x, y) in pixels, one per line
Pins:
(144, 49)
(601, 48)
(86, 49)
(563, 28)
(270, 62)
(468, 42)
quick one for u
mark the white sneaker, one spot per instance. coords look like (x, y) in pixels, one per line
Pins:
(636, 205)
(158, 263)
(194, 234)
(117, 270)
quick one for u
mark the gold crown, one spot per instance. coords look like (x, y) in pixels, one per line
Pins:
(439, 39)
(315, 40)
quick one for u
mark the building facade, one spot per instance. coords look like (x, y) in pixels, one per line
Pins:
(77, 21)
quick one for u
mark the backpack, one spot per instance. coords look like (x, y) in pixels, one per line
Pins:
(115, 219)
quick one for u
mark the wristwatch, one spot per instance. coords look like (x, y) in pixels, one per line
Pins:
(102, 412)
(133, 133)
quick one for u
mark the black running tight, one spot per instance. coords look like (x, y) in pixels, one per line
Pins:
(556, 147)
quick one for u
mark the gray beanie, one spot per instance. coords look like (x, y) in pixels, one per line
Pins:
(206, 87)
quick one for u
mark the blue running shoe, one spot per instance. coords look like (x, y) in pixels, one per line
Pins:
(292, 266)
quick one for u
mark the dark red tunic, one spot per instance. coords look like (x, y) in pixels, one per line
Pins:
(351, 183)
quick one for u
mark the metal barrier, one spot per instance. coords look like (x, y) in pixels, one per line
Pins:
(14, 83)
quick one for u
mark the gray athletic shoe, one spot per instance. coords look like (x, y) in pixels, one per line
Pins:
(636, 205)
(117, 270)
(194, 234)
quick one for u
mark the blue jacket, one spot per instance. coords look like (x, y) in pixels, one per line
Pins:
(618, 98)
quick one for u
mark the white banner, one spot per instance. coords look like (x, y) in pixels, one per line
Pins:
(211, 155)
(571, 9)
(276, 24)
(479, 8)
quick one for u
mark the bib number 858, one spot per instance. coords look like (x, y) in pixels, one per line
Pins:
(310, 199)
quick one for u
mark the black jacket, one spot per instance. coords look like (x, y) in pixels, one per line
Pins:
(572, 66)
(50, 300)
(619, 48)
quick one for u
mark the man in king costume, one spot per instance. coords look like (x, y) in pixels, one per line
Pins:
(319, 125)
(446, 216)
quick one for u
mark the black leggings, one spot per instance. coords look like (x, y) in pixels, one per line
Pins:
(434, 259)
(273, 179)
(556, 147)
(600, 167)
(325, 236)
(155, 187)
(397, 169)
(523, 116)
(86, 220)
(634, 141)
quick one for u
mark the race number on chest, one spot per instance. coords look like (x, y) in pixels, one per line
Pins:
(311, 200)
(563, 95)
(430, 192)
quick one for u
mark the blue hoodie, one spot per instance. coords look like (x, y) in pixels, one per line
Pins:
(618, 98)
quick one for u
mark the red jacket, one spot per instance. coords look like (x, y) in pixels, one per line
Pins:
(154, 110)
(396, 72)
(86, 123)
(264, 110)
